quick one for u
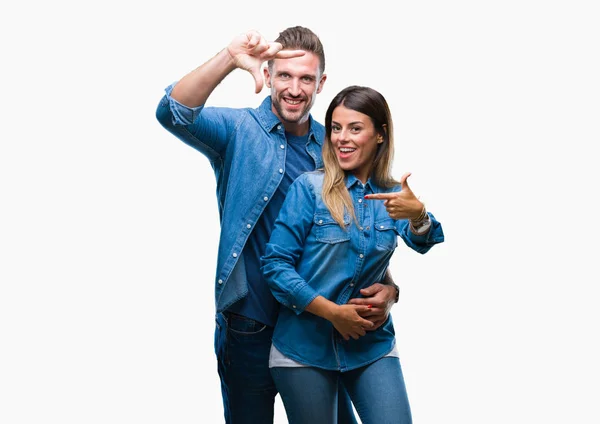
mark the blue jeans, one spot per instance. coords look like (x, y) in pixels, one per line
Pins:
(242, 346)
(310, 394)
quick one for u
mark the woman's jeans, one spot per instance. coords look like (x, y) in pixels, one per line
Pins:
(242, 346)
(310, 394)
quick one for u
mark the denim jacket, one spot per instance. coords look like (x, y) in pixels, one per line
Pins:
(309, 254)
(246, 148)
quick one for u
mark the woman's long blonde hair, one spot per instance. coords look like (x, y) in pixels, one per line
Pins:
(370, 102)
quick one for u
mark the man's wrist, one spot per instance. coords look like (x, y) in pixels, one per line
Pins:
(392, 284)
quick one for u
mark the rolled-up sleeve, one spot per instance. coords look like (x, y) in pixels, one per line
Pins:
(421, 243)
(206, 129)
(286, 246)
(181, 114)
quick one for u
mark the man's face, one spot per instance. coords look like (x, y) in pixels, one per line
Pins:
(294, 85)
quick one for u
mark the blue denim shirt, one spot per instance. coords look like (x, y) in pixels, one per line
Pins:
(246, 148)
(309, 254)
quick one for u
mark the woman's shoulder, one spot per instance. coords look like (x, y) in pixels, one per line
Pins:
(312, 178)
(309, 182)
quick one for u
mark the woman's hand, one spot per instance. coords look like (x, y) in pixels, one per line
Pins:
(347, 321)
(402, 204)
(379, 299)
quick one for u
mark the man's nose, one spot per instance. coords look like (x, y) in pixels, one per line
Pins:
(294, 88)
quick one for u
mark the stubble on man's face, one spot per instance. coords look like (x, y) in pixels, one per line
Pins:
(294, 86)
(291, 116)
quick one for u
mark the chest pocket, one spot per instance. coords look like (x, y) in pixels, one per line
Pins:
(386, 234)
(327, 230)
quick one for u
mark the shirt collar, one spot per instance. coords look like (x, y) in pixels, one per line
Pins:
(269, 120)
(370, 185)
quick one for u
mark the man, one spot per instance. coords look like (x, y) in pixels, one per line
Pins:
(256, 154)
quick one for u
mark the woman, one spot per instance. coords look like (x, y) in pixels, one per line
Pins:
(327, 244)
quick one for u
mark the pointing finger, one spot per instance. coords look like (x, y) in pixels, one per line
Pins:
(288, 54)
(273, 49)
(380, 196)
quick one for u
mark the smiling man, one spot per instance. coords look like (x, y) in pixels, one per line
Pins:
(256, 154)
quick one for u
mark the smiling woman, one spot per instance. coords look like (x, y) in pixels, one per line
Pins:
(326, 246)
(354, 135)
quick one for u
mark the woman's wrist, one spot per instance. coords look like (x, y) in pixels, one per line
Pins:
(421, 217)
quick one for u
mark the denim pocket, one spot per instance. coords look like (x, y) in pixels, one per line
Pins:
(327, 230)
(386, 234)
(242, 325)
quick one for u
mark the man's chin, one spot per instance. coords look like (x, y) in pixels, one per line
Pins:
(294, 117)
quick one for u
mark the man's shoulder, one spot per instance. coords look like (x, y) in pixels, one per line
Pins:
(317, 125)
(317, 129)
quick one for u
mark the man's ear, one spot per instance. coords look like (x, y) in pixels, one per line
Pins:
(267, 75)
(321, 82)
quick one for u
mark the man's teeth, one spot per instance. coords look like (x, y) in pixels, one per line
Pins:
(346, 149)
(293, 102)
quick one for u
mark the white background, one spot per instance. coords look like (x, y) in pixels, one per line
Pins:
(108, 224)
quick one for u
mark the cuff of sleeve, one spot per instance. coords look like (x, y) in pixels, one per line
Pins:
(421, 227)
(182, 115)
(301, 297)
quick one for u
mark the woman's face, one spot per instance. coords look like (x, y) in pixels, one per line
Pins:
(355, 141)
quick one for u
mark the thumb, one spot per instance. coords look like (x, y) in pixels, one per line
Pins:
(404, 182)
(258, 80)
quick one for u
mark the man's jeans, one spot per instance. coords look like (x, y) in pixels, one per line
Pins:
(310, 394)
(242, 346)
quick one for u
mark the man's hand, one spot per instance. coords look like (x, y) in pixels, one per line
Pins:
(381, 298)
(250, 50)
(402, 204)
